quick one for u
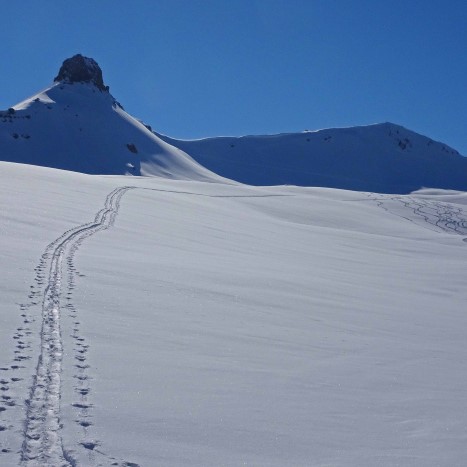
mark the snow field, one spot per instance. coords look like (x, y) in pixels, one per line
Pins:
(232, 325)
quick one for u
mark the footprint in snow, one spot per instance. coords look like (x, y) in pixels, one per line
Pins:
(81, 377)
(82, 367)
(89, 444)
(84, 423)
(79, 405)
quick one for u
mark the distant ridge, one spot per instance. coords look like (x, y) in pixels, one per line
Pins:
(382, 157)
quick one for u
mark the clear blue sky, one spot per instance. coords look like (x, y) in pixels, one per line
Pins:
(213, 67)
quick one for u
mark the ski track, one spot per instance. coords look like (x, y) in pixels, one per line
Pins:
(42, 443)
(52, 293)
(437, 216)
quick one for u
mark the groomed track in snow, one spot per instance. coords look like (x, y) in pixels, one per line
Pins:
(42, 441)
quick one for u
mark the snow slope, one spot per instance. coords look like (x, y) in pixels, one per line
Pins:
(385, 158)
(207, 324)
(78, 127)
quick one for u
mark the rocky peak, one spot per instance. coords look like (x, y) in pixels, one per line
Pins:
(79, 69)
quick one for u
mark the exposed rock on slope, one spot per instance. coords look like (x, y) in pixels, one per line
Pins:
(79, 69)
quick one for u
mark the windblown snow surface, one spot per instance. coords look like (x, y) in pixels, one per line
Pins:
(146, 321)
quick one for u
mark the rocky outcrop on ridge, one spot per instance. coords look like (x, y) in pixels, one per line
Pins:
(79, 69)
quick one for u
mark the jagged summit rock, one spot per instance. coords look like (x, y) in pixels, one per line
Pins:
(79, 69)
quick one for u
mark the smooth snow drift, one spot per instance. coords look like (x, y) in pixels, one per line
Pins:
(215, 324)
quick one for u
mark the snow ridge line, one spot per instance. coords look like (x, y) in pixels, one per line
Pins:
(42, 443)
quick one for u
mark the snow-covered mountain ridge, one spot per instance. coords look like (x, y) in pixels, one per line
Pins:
(382, 157)
(76, 124)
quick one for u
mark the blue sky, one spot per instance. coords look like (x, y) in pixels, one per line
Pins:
(207, 68)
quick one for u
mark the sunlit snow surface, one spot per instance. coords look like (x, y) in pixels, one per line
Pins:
(222, 325)
(385, 158)
(80, 128)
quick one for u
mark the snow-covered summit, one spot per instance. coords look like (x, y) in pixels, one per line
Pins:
(76, 124)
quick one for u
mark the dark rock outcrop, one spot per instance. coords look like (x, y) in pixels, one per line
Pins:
(132, 148)
(79, 69)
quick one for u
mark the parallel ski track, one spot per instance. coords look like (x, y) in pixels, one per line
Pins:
(42, 445)
(437, 216)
